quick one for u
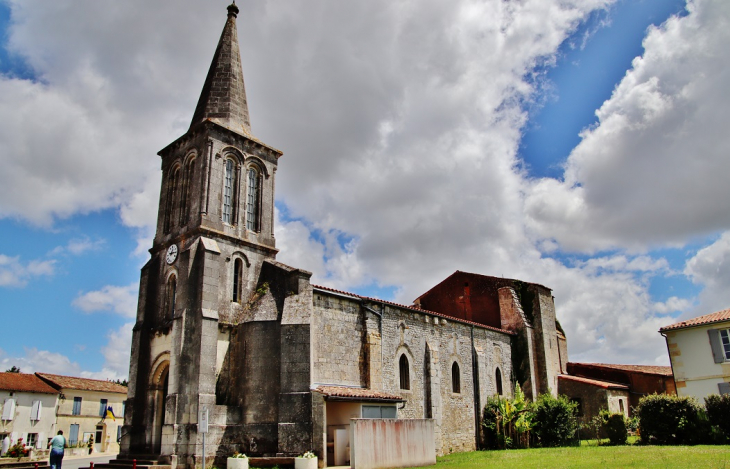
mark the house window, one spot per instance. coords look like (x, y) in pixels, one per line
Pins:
(405, 379)
(237, 280)
(73, 434)
(32, 440)
(378, 412)
(725, 339)
(77, 406)
(498, 381)
(252, 203)
(9, 409)
(102, 407)
(455, 378)
(35, 411)
(621, 405)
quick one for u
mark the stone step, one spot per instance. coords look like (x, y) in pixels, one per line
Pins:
(270, 462)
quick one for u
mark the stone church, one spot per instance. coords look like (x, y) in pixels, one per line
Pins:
(281, 364)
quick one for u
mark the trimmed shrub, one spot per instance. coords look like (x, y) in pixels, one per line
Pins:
(718, 413)
(670, 420)
(554, 422)
(615, 427)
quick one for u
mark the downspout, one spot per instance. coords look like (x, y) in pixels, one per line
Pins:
(475, 380)
(671, 364)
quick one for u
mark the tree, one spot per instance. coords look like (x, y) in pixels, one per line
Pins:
(14, 369)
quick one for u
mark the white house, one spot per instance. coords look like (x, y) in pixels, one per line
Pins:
(28, 409)
(699, 350)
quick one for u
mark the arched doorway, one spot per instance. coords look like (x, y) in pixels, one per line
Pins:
(158, 390)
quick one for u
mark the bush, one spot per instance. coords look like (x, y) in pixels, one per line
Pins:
(718, 413)
(665, 419)
(507, 422)
(18, 450)
(614, 424)
(554, 421)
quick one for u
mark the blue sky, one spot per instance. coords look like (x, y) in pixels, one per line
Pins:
(476, 105)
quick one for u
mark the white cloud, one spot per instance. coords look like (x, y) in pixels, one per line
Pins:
(121, 300)
(78, 246)
(42, 361)
(116, 358)
(653, 170)
(14, 273)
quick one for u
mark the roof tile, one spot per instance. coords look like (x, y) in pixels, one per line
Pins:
(355, 393)
(594, 382)
(718, 316)
(82, 384)
(24, 382)
(646, 369)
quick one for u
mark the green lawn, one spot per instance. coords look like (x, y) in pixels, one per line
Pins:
(694, 457)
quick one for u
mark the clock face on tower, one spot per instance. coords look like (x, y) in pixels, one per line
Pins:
(171, 254)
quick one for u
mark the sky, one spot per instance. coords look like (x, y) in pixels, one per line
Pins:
(579, 144)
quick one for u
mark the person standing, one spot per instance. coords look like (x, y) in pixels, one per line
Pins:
(57, 444)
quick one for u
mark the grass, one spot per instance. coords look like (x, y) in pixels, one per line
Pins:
(650, 457)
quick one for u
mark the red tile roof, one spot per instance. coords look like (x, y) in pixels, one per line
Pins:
(356, 393)
(413, 308)
(646, 369)
(24, 382)
(83, 384)
(594, 382)
(719, 316)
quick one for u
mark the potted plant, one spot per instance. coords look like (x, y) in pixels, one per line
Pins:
(237, 461)
(307, 460)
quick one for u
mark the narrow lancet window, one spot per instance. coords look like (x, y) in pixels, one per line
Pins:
(228, 195)
(252, 204)
(186, 196)
(405, 379)
(455, 378)
(172, 183)
(171, 296)
(237, 280)
(498, 381)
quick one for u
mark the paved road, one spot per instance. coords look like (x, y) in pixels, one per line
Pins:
(76, 462)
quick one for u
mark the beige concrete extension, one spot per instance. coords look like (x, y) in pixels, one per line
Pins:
(700, 354)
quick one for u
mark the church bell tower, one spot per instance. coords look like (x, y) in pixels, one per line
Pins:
(215, 228)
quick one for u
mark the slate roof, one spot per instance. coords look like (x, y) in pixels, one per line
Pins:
(82, 384)
(356, 393)
(25, 382)
(416, 309)
(711, 318)
(594, 382)
(646, 369)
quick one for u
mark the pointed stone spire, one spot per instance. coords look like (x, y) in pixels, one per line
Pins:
(223, 99)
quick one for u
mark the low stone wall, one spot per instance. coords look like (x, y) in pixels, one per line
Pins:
(381, 443)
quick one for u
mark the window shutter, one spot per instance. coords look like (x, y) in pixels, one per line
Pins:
(35, 411)
(9, 409)
(724, 388)
(716, 345)
(41, 439)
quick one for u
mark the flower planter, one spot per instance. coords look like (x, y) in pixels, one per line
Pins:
(237, 463)
(305, 463)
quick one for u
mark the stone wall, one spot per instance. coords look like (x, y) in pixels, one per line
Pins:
(352, 346)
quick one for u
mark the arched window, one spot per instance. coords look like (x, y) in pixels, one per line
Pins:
(405, 378)
(229, 193)
(237, 280)
(621, 405)
(170, 296)
(253, 200)
(172, 183)
(455, 378)
(498, 381)
(186, 196)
